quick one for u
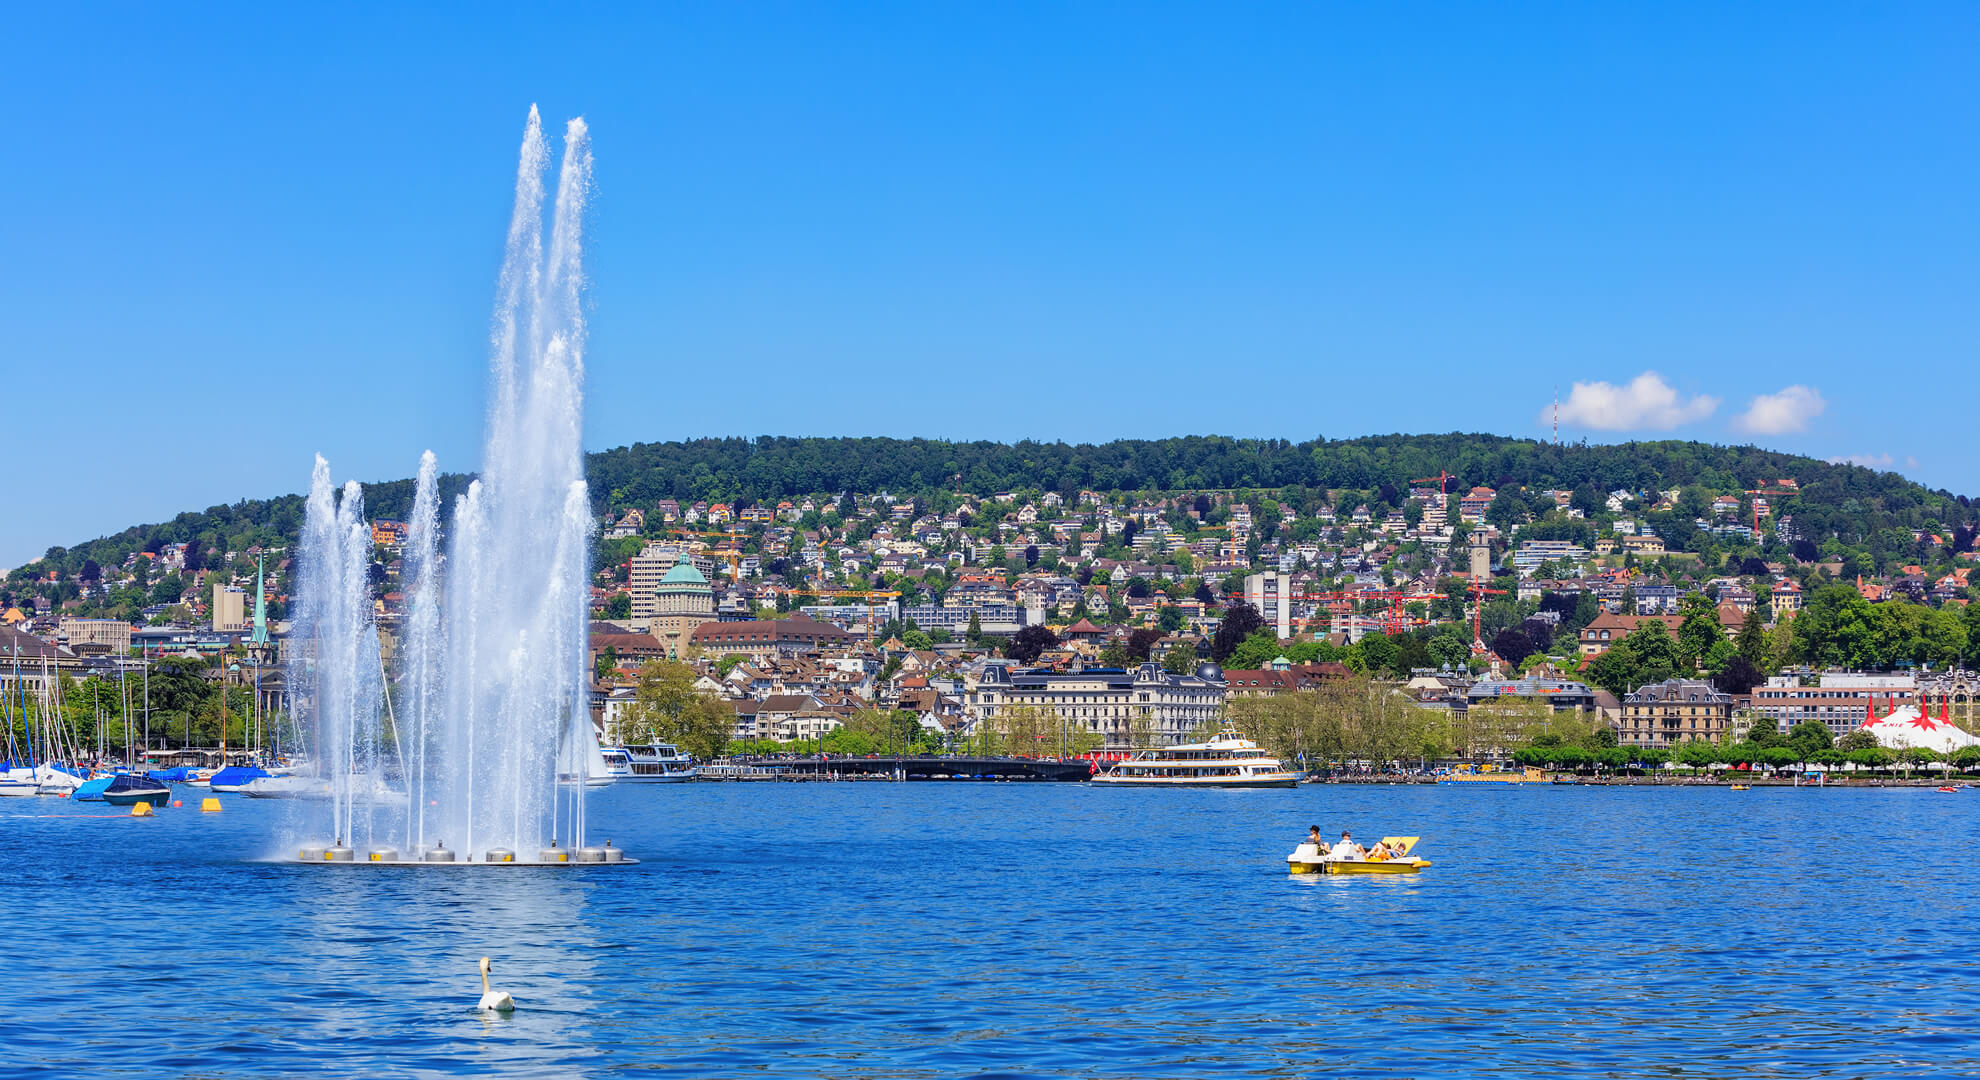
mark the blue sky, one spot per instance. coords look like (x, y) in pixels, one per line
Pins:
(238, 237)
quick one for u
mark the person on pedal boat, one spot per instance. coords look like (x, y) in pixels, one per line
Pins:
(1347, 849)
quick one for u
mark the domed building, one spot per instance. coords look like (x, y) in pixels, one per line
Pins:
(682, 601)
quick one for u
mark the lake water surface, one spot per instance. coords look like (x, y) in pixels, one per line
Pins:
(968, 929)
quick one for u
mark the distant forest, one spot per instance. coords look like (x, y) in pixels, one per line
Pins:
(1848, 503)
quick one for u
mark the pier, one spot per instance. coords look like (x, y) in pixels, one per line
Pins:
(920, 767)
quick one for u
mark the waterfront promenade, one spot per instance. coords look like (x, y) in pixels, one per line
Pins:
(926, 767)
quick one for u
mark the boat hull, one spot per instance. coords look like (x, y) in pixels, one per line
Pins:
(1346, 866)
(1286, 780)
(132, 798)
(14, 789)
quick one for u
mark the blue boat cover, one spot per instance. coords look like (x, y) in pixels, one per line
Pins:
(177, 775)
(235, 775)
(92, 789)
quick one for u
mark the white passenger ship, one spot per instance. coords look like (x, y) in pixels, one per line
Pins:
(652, 763)
(1227, 760)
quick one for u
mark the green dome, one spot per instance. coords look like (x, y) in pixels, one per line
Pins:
(684, 573)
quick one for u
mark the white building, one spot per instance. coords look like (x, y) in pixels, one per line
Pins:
(1109, 701)
(1271, 594)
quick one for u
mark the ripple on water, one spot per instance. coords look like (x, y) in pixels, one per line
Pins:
(1006, 930)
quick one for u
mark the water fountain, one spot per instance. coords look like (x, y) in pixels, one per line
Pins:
(478, 753)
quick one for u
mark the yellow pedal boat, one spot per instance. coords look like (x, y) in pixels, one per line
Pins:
(1311, 859)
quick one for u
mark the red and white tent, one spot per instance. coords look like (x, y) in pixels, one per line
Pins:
(1914, 725)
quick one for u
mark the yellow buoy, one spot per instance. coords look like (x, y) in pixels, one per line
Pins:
(209, 806)
(140, 809)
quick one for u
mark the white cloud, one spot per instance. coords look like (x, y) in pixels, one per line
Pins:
(1648, 403)
(1868, 461)
(1778, 414)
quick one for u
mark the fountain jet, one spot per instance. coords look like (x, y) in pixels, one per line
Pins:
(492, 701)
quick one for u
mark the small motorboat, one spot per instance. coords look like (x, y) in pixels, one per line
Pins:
(1950, 789)
(129, 789)
(1314, 859)
(1742, 787)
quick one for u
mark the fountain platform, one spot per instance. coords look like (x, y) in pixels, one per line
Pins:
(340, 855)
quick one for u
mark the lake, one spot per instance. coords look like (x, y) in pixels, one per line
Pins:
(974, 929)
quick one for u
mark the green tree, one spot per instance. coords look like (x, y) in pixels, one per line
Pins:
(667, 708)
(1648, 655)
(1450, 649)
(1808, 738)
(619, 606)
(1254, 652)
(1181, 659)
(1752, 640)
(1700, 629)
(168, 590)
(1378, 654)
(1856, 740)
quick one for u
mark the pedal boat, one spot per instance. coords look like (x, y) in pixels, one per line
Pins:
(1310, 859)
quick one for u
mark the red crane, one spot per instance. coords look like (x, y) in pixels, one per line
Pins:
(1442, 478)
(1756, 505)
(1478, 612)
(1342, 603)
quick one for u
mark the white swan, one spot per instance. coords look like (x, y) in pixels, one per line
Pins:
(493, 1000)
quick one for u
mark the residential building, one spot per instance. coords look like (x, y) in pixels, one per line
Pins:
(1674, 711)
(1283, 677)
(1122, 706)
(1952, 694)
(633, 649)
(1657, 599)
(1532, 554)
(1271, 593)
(1609, 628)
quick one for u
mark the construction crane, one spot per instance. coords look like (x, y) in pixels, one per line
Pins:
(1756, 505)
(1443, 480)
(732, 553)
(869, 595)
(1478, 593)
(1342, 603)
